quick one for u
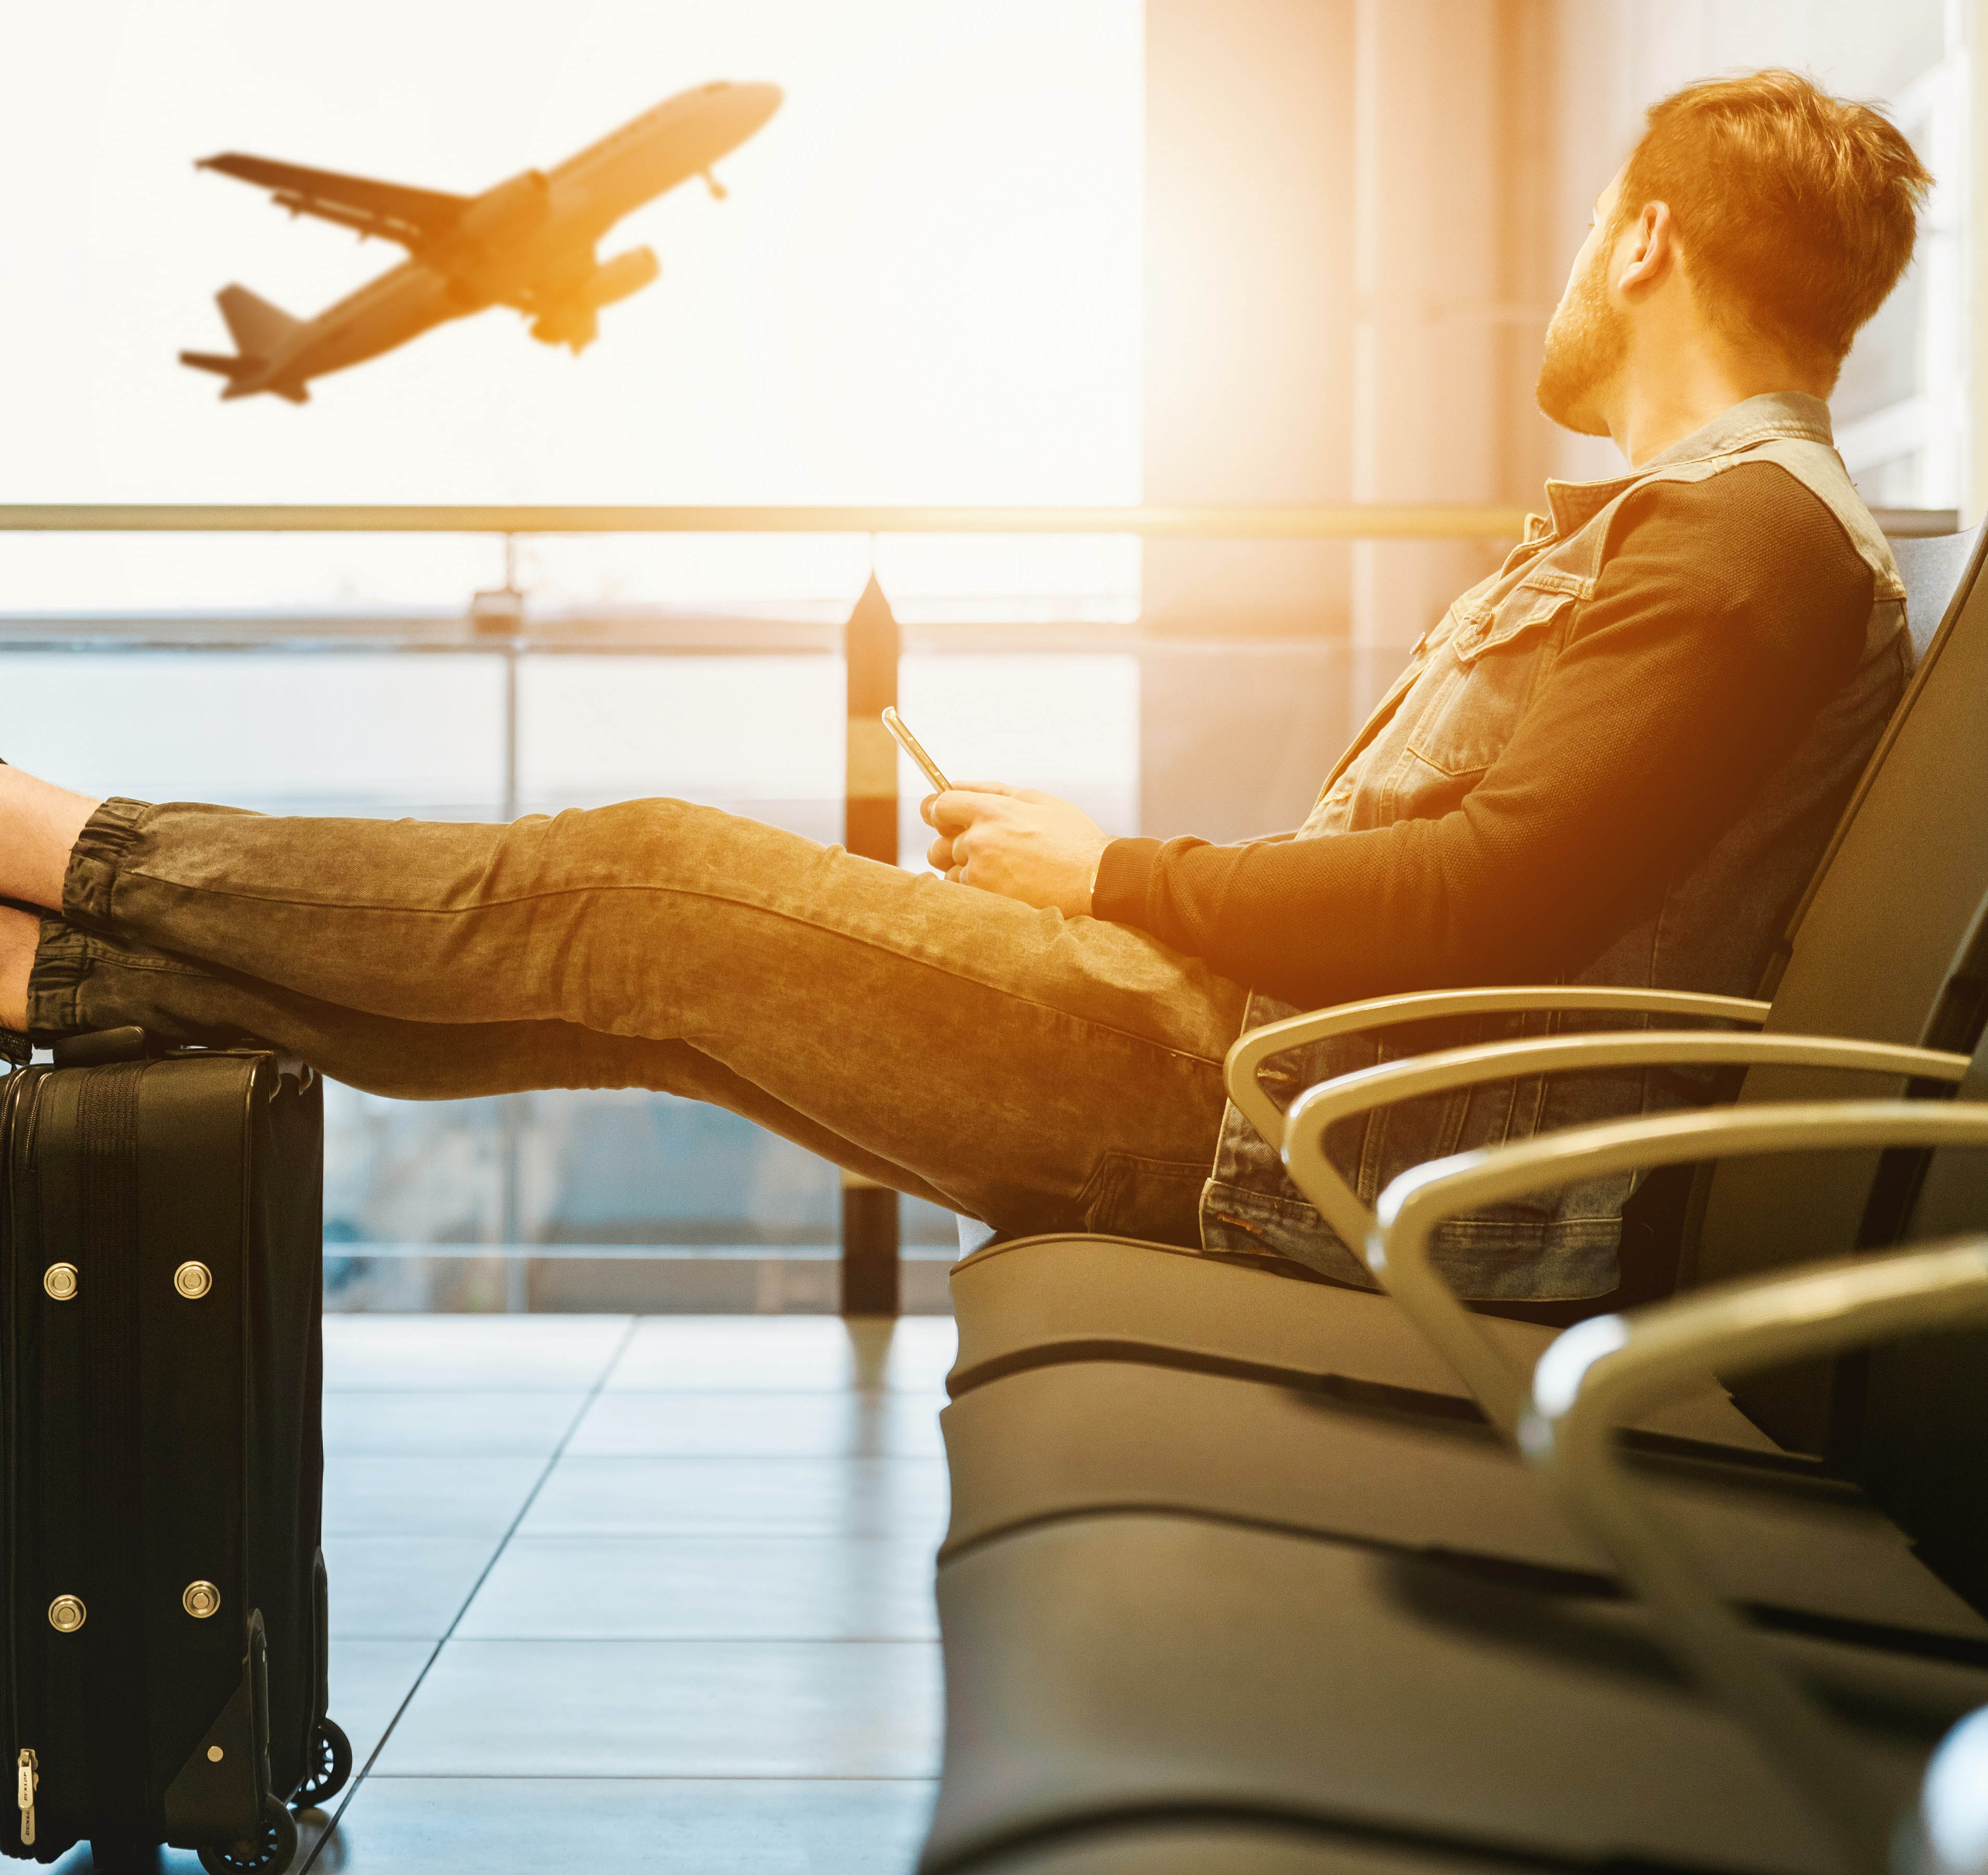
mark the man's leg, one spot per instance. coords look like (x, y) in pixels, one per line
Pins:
(99, 983)
(1037, 1072)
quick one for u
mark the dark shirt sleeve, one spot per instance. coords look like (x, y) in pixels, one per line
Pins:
(1727, 612)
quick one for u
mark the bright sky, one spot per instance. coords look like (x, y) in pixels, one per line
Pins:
(924, 286)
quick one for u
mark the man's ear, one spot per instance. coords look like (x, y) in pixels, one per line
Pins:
(1652, 251)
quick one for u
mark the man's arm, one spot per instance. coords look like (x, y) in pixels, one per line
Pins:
(1728, 613)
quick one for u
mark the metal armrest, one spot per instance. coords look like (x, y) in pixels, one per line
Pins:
(1411, 1208)
(1615, 1368)
(1256, 1046)
(1450, 1069)
(1949, 1835)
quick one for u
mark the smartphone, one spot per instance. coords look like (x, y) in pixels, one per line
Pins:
(909, 743)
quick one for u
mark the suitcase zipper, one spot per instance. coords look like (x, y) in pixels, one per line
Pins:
(29, 1776)
(23, 1090)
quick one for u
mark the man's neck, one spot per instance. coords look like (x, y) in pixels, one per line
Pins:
(1653, 409)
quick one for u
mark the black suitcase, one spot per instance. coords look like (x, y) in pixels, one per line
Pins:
(164, 1638)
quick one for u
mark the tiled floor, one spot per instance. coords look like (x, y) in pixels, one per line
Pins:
(647, 1593)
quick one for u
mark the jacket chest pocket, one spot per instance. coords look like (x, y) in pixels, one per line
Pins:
(1495, 666)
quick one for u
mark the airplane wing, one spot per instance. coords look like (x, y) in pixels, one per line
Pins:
(412, 217)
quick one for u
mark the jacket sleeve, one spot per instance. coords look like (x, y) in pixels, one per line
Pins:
(1727, 613)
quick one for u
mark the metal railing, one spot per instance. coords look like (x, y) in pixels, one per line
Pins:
(1348, 520)
(1357, 522)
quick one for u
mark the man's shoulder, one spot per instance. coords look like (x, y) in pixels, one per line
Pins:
(1755, 494)
(1754, 526)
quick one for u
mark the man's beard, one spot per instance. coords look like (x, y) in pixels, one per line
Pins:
(1585, 345)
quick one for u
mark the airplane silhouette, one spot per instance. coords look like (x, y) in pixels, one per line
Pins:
(528, 243)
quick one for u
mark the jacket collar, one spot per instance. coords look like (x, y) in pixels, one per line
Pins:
(1777, 414)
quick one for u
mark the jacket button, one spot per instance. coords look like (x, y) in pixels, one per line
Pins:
(61, 1281)
(200, 1599)
(193, 1280)
(66, 1614)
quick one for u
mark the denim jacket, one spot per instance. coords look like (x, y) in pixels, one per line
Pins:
(1444, 722)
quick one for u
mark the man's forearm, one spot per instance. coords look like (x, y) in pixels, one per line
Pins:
(1416, 906)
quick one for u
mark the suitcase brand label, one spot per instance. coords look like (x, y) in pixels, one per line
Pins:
(27, 1778)
(61, 1281)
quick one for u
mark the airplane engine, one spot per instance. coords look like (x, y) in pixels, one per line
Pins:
(572, 321)
(616, 278)
(575, 325)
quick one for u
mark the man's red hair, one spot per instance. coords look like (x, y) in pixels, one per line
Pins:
(1796, 211)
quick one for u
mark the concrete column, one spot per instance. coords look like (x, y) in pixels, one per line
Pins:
(1247, 301)
(1347, 203)
(1433, 270)
(1974, 485)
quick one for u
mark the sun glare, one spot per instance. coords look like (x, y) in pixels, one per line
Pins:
(923, 286)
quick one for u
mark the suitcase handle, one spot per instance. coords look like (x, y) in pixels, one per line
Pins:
(105, 1045)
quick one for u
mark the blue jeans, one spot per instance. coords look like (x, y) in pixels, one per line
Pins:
(1038, 1072)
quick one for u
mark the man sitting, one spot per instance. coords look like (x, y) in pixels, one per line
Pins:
(1615, 761)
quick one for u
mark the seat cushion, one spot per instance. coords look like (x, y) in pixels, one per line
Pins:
(1035, 1300)
(1191, 1846)
(1058, 1441)
(1044, 1301)
(1112, 1667)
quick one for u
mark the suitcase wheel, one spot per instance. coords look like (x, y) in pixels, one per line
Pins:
(270, 1853)
(330, 1760)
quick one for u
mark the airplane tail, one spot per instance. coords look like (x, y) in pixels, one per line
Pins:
(259, 329)
(262, 333)
(242, 372)
(223, 366)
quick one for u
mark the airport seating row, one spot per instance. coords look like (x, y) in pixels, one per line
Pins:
(1247, 1571)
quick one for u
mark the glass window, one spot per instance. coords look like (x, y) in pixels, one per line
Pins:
(922, 287)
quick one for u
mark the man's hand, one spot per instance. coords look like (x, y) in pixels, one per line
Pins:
(1018, 842)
